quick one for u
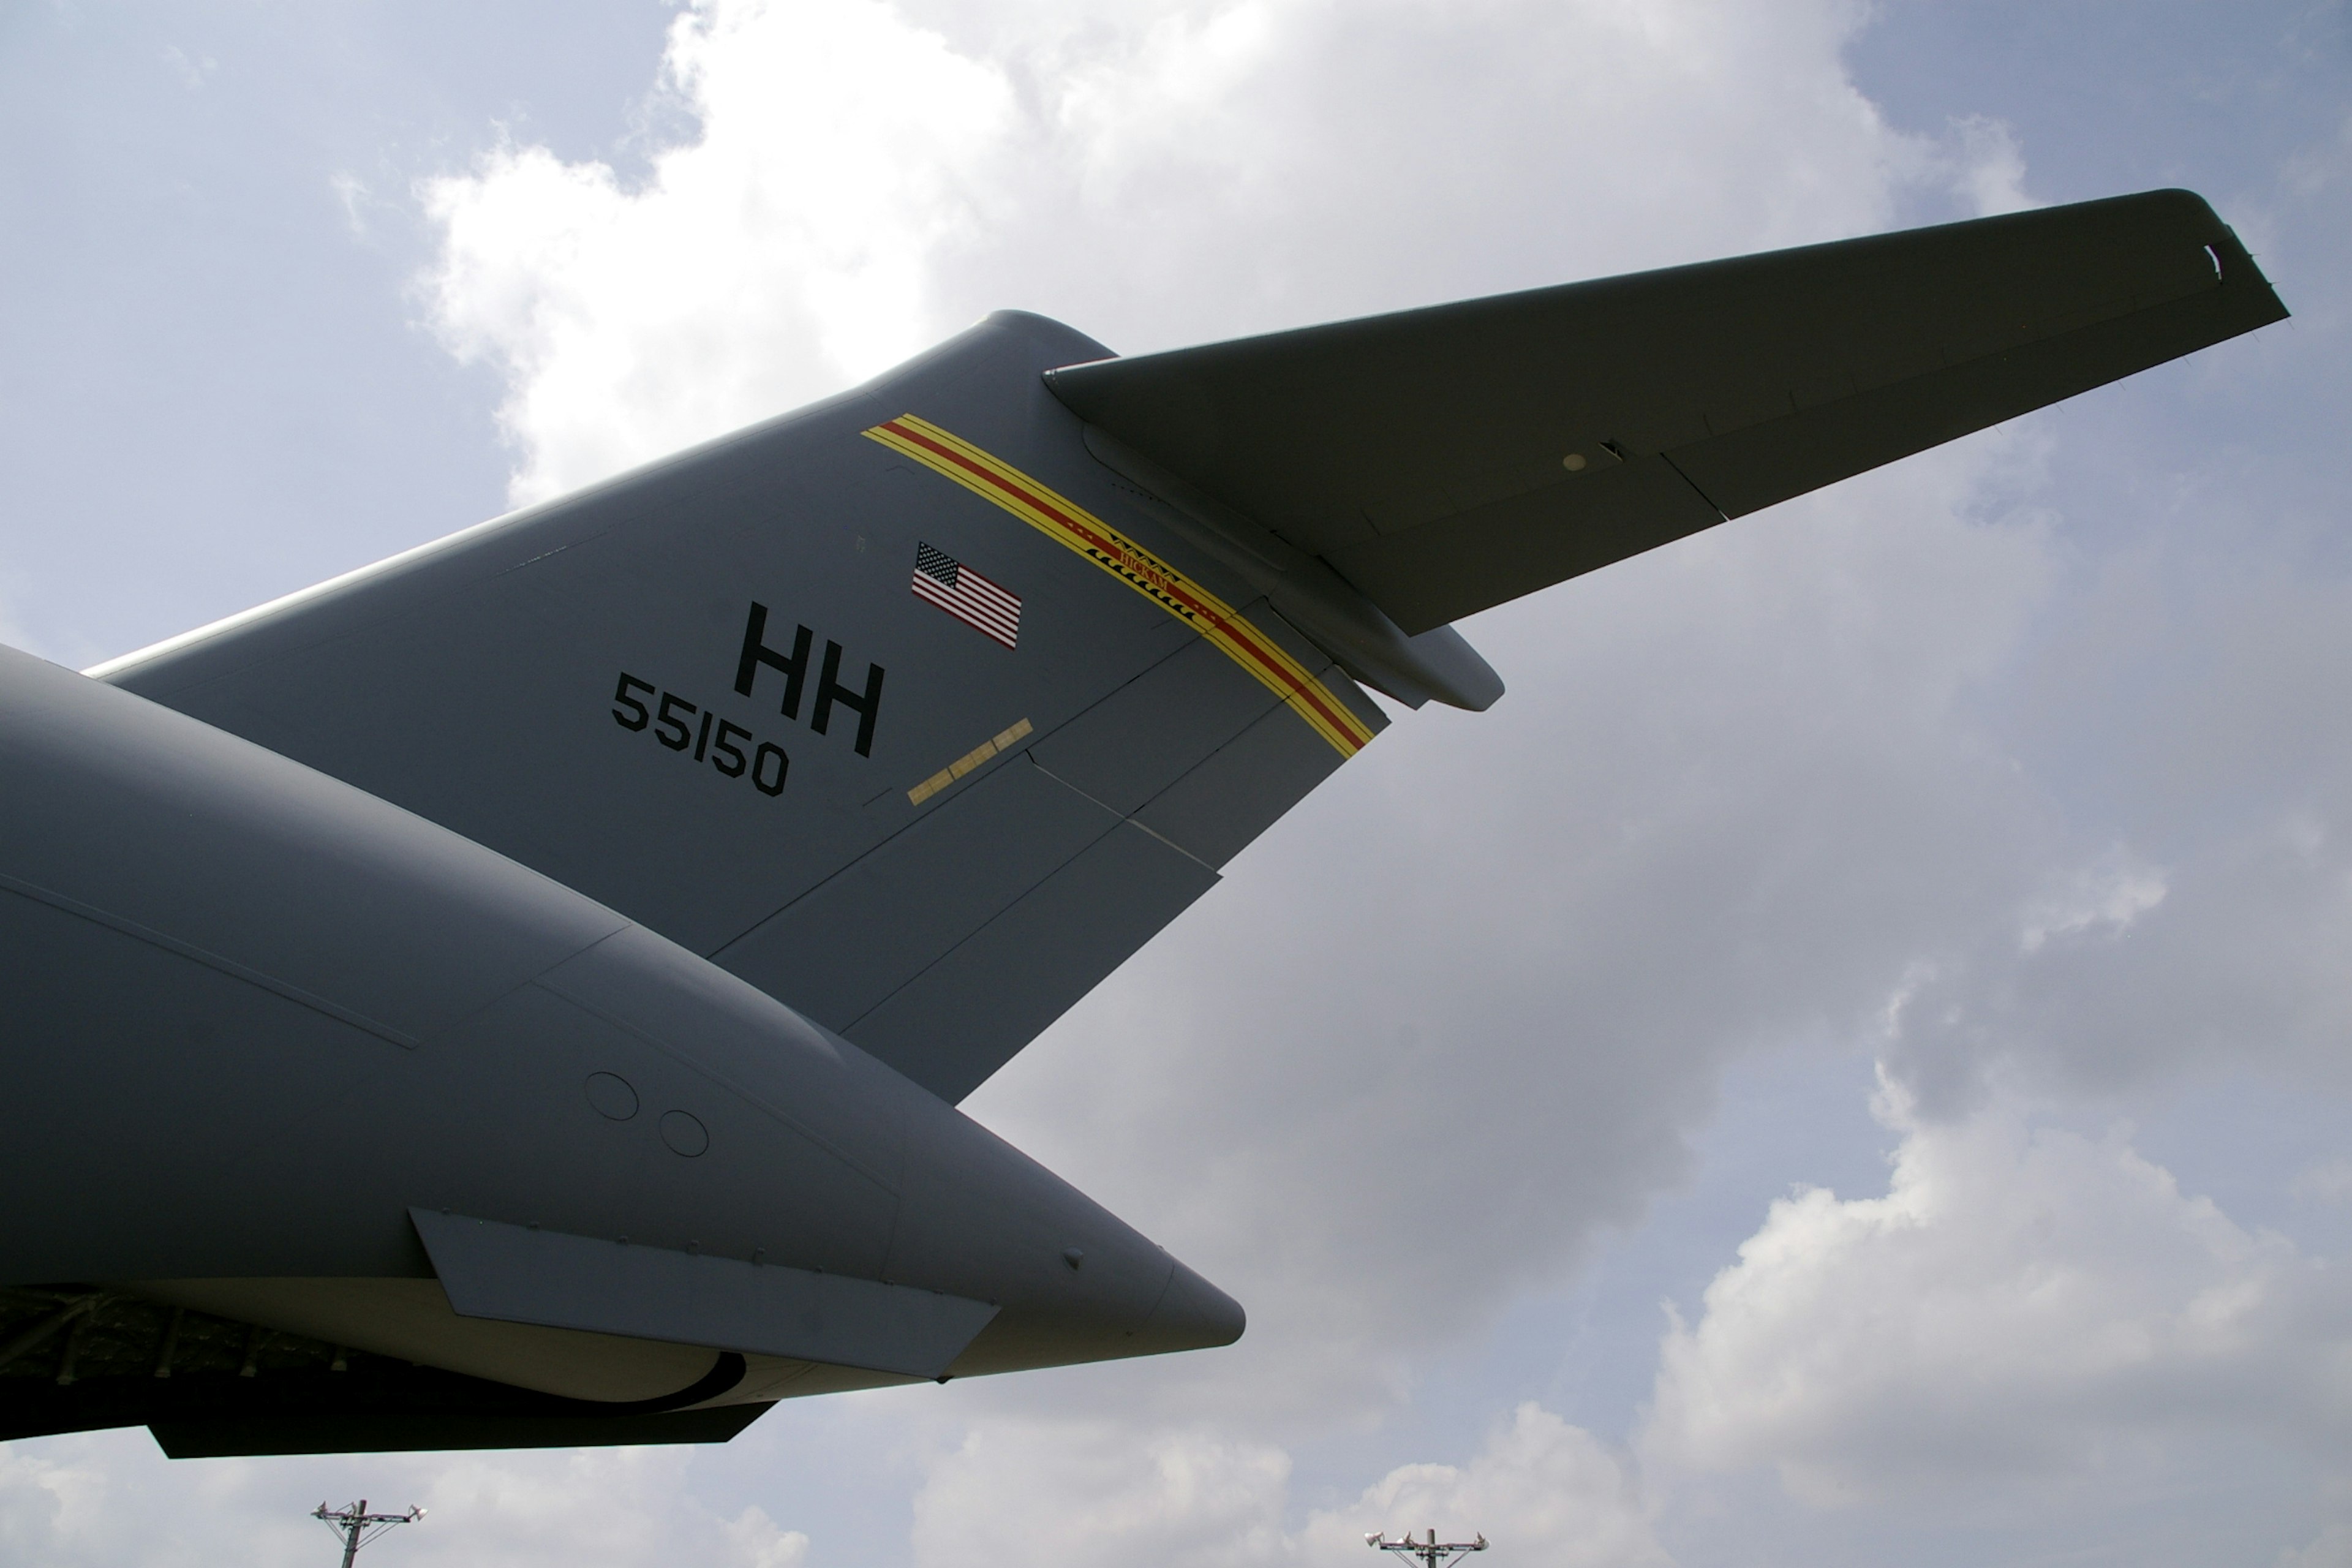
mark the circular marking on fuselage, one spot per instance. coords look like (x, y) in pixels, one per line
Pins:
(1573, 462)
(684, 1135)
(611, 1095)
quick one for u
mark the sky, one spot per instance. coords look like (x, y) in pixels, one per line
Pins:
(1847, 1062)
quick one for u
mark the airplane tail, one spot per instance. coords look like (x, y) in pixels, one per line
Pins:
(922, 708)
(904, 707)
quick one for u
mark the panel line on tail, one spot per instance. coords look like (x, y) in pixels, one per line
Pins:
(1068, 524)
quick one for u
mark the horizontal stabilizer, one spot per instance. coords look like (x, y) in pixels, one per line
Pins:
(1448, 459)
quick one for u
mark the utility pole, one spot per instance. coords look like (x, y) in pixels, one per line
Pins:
(357, 1526)
(1433, 1553)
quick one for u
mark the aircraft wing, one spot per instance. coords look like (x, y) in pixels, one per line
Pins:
(1448, 459)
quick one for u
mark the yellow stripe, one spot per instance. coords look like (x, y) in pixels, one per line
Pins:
(1066, 521)
(965, 764)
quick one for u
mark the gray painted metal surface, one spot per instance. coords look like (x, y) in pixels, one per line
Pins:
(621, 893)
(197, 1091)
(473, 682)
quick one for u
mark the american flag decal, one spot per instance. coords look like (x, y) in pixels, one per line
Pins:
(942, 580)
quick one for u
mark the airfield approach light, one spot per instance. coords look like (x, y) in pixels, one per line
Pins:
(1430, 1551)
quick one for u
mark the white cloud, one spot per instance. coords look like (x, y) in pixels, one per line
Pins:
(755, 1541)
(1987, 167)
(46, 1500)
(2330, 1181)
(2094, 899)
(1080, 1491)
(94, 1499)
(2331, 1549)
(2024, 1302)
(191, 69)
(860, 184)
(2119, 977)
(1541, 1491)
(1073, 1491)
(1458, 1014)
(777, 256)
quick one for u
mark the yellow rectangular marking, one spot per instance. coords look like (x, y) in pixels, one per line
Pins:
(1002, 741)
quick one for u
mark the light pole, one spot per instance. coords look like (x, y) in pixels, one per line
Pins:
(1433, 1553)
(357, 1526)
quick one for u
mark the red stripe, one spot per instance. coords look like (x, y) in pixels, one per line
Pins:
(1313, 699)
(979, 616)
(965, 577)
(1002, 606)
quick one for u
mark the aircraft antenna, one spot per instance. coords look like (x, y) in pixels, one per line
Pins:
(357, 1526)
(1433, 1553)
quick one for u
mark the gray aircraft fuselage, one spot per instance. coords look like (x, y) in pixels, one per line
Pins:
(331, 1012)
